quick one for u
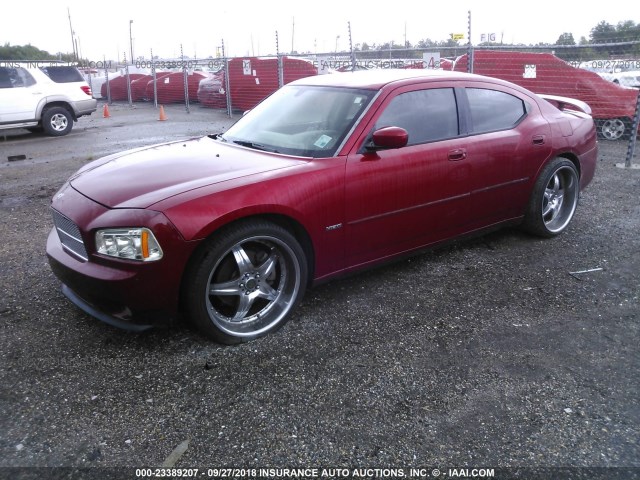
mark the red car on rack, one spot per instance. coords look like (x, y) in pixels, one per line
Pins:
(139, 90)
(612, 106)
(251, 80)
(118, 86)
(170, 87)
(211, 91)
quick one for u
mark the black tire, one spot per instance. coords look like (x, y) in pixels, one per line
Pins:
(57, 121)
(554, 199)
(260, 271)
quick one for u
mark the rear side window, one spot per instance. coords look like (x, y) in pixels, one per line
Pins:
(427, 115)
(63, 74)
(492, 110)
(15, 78)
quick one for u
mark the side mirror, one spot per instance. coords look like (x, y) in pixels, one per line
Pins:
(387, 138)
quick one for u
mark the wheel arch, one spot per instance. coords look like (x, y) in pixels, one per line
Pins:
(57, 103)
(573, 158)
(298, 231)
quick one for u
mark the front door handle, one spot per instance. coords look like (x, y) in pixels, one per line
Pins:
(457, 154)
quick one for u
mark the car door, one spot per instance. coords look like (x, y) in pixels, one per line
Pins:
(401, 199)
(508, 142)
(19, 95)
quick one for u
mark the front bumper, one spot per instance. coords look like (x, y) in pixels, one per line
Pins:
(125, 293)
(125, 298)
(116, 321)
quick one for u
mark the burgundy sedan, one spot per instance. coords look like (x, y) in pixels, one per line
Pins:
(329, 175)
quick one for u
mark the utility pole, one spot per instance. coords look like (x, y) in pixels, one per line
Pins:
(131, 40)
(73, 42)
(405, 35)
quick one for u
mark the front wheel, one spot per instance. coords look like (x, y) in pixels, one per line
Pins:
(244, 281)
(57, 121)
(554, 199)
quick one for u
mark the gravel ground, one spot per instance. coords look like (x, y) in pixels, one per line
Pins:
(486, 353)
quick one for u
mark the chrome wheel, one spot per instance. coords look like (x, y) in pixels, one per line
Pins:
(554, 199)
(252, 286)
(613, 128)
(560, 199)
(246, 281)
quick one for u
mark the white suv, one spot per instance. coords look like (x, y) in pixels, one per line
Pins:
(42, 96)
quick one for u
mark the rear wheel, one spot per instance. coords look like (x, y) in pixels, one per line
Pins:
(554, 199)
(57, 121)
(244, 281)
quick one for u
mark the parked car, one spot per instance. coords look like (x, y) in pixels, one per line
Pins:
(211, 91)
(143, 86)
(170, 87)
(623, 72)
(330, 174)
(43, 97)
(118, 86)
(251, 80)
(94, 78)
(628, 76)
(612, 106)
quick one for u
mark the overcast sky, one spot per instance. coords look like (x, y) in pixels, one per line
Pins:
(248, 26)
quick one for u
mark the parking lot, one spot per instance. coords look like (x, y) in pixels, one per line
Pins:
(502, 351)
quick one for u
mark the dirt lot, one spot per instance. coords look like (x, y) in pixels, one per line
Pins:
(489, 353)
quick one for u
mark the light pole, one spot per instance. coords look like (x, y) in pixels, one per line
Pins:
(131, 40)
(337, 38)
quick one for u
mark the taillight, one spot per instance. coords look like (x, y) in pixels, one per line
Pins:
(86, 89)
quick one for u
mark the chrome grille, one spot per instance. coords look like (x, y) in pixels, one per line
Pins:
(69, 235)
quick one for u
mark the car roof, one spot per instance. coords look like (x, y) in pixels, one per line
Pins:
(378, 78)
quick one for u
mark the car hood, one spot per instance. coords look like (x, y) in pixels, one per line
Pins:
(139, 178)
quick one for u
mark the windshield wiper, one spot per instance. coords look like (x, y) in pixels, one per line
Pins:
(255, 146)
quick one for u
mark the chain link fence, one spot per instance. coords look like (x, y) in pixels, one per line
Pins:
(606, 76)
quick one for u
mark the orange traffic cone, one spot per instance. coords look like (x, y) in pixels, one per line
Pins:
(105, 111)
(162, 114)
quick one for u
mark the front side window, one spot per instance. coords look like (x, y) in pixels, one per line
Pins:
(493, 110)
(426, 115)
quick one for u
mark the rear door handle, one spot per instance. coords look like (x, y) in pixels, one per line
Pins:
(457, 154)
(538, 140)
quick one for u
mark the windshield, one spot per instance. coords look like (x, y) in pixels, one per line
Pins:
(301, 120)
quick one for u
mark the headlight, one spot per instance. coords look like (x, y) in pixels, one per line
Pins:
(129, 243)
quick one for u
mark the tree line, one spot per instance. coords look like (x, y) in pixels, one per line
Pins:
(623, 40)
(29, 52)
